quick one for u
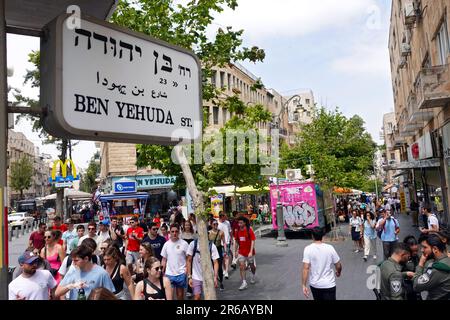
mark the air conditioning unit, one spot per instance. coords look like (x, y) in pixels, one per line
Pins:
(402, 62)
(410, 13)
(294, 174)
(405, 49)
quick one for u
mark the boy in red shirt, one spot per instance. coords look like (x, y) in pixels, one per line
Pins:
(245, 245)
(135, 234)
(57, 225)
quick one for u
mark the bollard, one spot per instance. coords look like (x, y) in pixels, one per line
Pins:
(10, 234)
(17, 232)
(23, 229)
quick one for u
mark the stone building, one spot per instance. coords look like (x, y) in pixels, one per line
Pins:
(419, 55)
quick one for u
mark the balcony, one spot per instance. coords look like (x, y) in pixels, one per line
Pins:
(417, 117)
(433, 87)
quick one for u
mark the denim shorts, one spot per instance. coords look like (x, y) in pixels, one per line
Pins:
(178, 281)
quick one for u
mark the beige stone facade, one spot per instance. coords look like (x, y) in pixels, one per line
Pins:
(19, 146)
(419, 50)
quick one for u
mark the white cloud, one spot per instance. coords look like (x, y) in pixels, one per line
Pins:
(268, 18)
(370, 58)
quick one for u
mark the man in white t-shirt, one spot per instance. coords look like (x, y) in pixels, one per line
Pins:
(194, 268)
(318, 261)
(103, 234)
(433, 222)
(225, 226)
(32, 284)
(174, 261)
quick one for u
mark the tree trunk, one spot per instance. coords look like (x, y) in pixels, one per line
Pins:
(60, 191)
(197, 197)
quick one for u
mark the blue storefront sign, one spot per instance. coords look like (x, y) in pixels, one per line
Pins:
(124, 186)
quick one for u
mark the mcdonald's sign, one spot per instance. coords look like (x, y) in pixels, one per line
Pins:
(64, 177)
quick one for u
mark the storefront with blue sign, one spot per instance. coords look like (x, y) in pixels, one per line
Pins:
(158, 187)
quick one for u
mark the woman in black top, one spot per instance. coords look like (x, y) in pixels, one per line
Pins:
(118, 273)
(155, 286)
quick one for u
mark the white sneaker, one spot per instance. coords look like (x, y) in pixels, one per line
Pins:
(253, 279)
(374, 257)
(225, 274)
(244, 285)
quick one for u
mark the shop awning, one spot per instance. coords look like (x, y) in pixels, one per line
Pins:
(427, 163)
(402, 173)
(227, 190)
(70, 194)
(110, 197)
(251, 190)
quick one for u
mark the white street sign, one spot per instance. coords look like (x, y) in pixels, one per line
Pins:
(102, 82)
(64, 184)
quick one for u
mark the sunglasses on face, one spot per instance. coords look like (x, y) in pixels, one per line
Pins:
(174, 231)
(91, 228)
(48, 237)
(158, 269)
(154, 229)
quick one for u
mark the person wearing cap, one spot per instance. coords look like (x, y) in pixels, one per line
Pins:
(104, 233)
(32, 284)
(69, 235)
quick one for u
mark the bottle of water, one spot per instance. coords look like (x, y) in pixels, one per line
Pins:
(81, 294)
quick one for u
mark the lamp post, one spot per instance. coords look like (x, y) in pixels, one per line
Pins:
(281, 238)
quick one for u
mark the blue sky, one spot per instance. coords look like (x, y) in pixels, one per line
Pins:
(339, 49)
(339, 53)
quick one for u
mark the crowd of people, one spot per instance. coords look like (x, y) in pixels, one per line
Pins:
(132, 260)
(412, 269)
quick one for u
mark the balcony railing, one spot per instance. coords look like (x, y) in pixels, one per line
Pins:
(433, 87)
(417, 117)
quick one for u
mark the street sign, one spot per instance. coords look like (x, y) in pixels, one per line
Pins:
(105, 83)
(124, 186)
(67, 184)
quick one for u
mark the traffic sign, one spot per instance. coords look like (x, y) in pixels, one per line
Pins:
(105, 83)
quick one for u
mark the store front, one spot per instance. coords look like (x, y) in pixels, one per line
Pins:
(160, 190)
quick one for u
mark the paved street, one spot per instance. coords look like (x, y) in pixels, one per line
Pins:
(278, 270)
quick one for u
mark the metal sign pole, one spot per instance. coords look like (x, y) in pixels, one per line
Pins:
(3, 157)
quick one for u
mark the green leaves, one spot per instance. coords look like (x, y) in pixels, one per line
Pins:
(21, 174)
(340, 150)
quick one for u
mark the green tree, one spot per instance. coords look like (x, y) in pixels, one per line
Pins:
(22, 174)
(88, 183)
(33, 78)
(340, 149)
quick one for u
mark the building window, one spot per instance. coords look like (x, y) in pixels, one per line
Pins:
(229, 81)
(442, 43)
(222, 79)
(216, 115)
(213, 78)
(392, 156)
(307, 101)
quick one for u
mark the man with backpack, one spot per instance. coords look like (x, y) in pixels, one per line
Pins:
(194, 268)
(388, 228)
(245, 247)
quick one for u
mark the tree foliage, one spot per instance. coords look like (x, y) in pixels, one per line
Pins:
(22, 174)
(88, 183)
(187, 26)
(340, 149)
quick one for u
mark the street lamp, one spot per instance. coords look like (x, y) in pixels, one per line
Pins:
(281, 238)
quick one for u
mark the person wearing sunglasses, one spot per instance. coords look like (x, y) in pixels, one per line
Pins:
(92, 233)
(32, 284)
(154, 239)
(53, 252)
(174, 261)
(155, 286)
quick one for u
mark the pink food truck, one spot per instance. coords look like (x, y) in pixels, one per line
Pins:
(303, 205)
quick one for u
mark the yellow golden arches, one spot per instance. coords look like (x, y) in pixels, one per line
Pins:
(64, 168)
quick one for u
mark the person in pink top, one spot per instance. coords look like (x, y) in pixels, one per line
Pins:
(53, 252)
